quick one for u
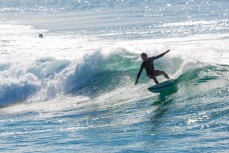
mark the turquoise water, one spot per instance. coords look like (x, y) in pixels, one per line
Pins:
(73, 90)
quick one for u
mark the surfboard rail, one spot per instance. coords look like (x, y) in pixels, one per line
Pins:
(161, 86)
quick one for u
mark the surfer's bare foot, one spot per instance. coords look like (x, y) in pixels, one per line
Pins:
(166, 76)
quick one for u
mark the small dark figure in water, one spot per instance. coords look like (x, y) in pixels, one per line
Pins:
(40, 35)
(147, 64)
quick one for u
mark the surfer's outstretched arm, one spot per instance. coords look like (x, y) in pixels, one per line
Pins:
(139, 73)
(159, 56)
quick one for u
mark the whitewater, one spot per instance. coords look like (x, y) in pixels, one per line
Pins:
(74, 91)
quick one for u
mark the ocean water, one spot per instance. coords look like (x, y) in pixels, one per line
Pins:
(73, 90)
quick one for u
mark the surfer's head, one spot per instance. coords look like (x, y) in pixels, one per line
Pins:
(144, 56)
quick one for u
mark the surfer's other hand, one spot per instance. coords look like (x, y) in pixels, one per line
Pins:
(167, 51)
(136, 82)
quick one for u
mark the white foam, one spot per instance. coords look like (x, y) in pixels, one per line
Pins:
(21, 48)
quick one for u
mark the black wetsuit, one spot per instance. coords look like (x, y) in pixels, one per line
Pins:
(148, 66)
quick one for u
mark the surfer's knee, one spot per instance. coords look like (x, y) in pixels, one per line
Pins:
(158, 72)
(165, 74)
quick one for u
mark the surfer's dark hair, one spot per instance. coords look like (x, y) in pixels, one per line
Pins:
(143, 54)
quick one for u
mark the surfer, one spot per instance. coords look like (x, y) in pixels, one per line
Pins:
(40, 35)
(147, 64)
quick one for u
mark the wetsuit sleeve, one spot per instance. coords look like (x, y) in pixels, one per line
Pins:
(152, 58)
(159, 56)
(139, 73)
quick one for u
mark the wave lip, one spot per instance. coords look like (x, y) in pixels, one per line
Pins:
(98, 73)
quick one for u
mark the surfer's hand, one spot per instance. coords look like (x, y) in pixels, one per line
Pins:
(167, 51)
(136, 82)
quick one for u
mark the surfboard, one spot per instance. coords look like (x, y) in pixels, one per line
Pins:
(161, 86)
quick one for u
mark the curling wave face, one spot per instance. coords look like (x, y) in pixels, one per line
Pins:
(47, 67)
(92, 75)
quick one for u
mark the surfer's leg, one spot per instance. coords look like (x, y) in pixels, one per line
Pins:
(154, 78)
(165, 75)
(158, 72)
